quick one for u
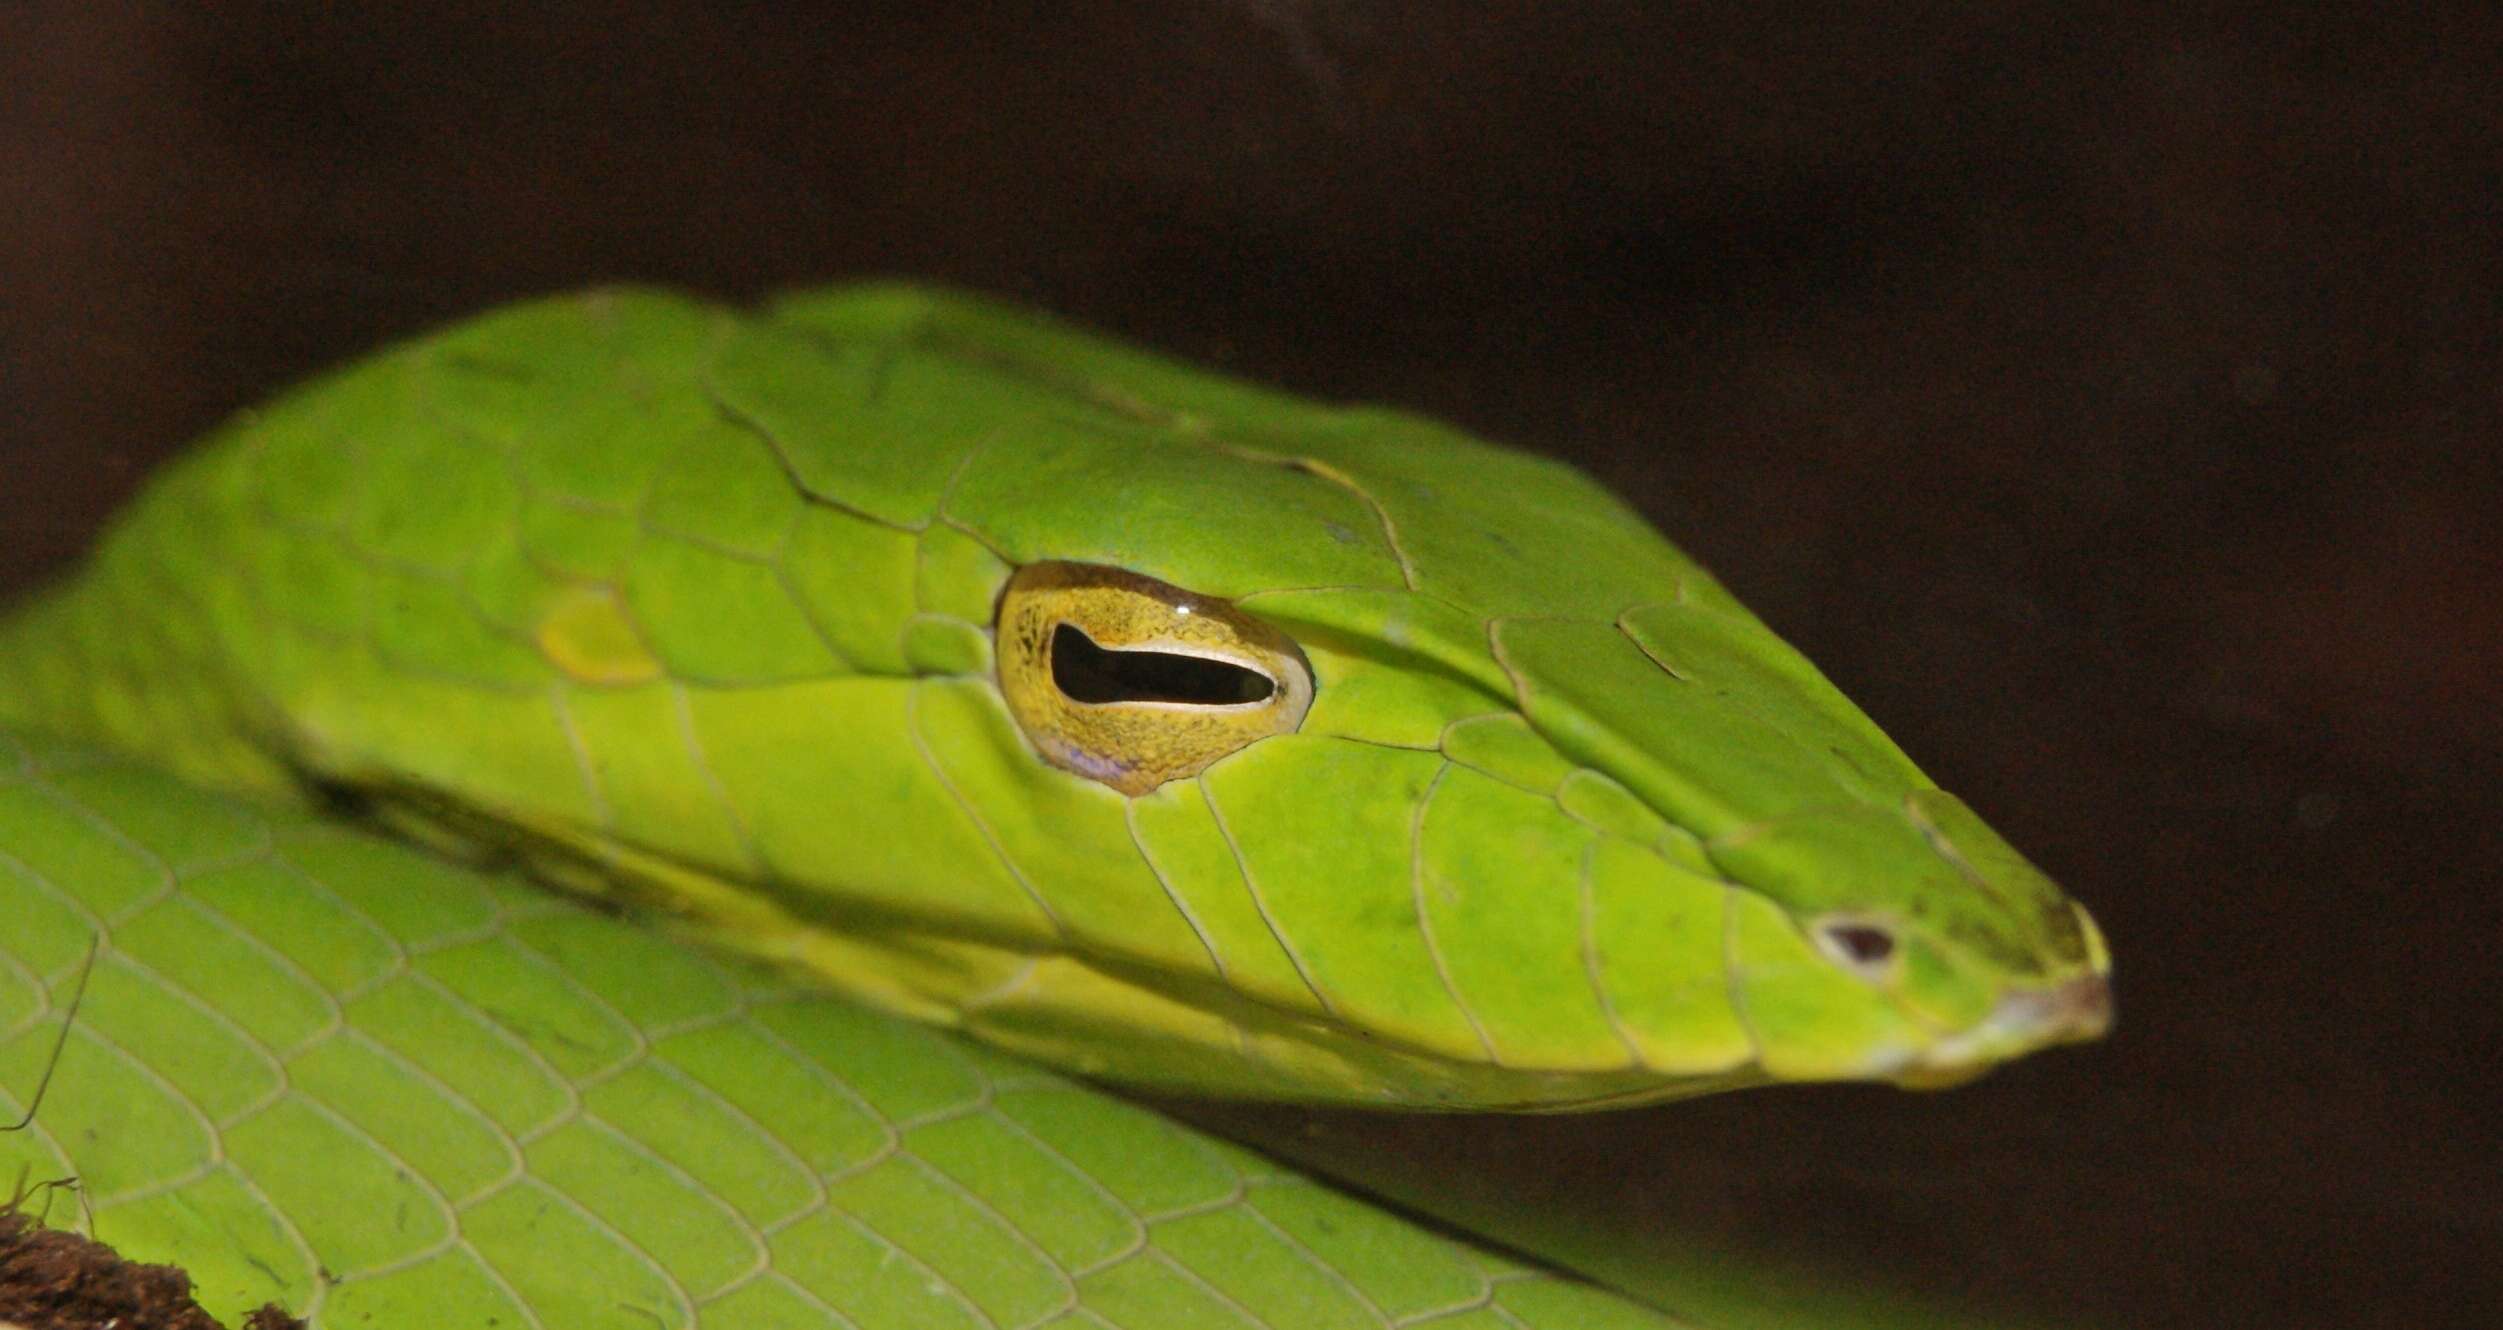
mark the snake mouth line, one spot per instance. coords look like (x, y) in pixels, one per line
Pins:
(2073, 1012)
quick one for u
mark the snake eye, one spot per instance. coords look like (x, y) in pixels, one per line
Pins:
(1859, 944)
(1133, 682)
(1085, 672)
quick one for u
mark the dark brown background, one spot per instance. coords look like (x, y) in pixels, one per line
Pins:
(2106, 395)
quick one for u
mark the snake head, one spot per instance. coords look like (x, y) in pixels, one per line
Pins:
(1151, 724)
(1541, 817)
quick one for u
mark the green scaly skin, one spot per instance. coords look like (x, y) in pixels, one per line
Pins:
(315, 1067)
(1555, 833)
(693, 605)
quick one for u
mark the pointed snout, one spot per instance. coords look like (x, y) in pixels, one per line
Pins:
(2076, 1011)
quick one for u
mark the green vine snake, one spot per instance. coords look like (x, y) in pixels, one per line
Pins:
(1134, 722)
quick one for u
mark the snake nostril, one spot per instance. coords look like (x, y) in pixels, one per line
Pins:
(1865, 946)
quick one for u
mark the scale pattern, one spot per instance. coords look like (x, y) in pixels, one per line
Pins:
(324, 1069)
(604, 563)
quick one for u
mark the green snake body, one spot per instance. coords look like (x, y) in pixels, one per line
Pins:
(696, 608)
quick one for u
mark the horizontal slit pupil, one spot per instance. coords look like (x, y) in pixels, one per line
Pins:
(1085, 672)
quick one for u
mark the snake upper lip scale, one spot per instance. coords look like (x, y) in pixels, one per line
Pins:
(2074, 1011)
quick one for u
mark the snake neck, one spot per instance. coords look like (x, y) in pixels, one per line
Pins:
(121, 655)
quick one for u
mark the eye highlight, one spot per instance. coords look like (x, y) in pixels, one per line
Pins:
(1133, 682)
